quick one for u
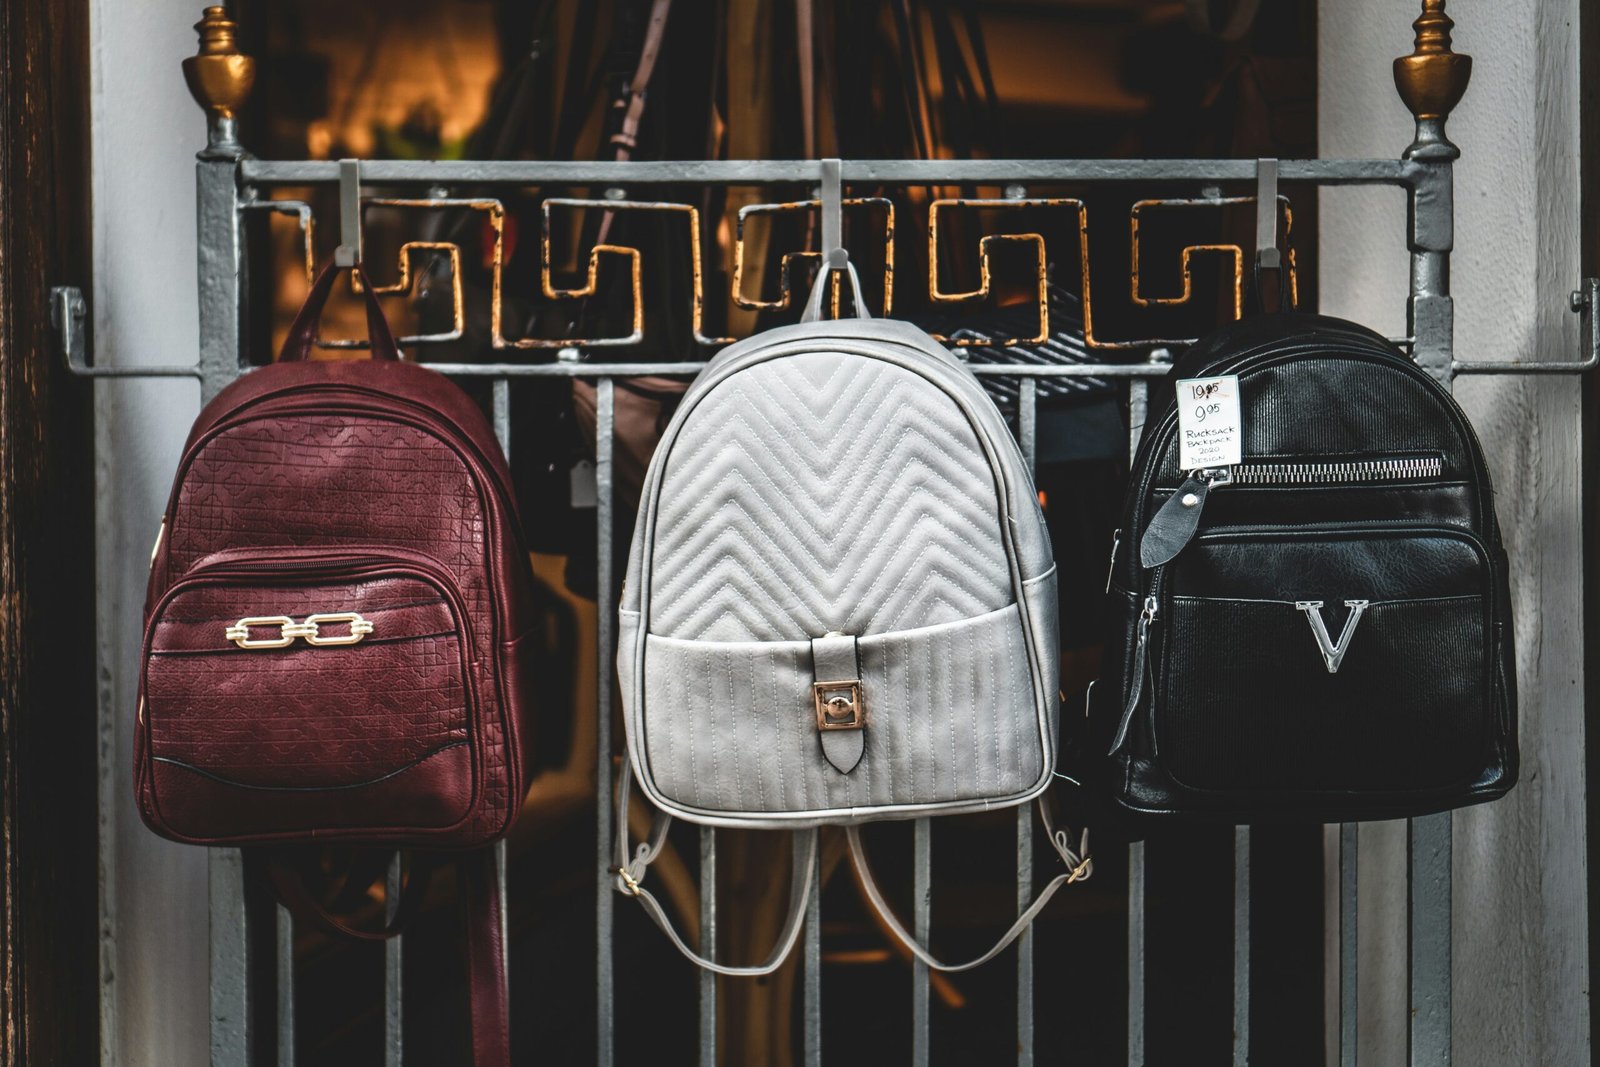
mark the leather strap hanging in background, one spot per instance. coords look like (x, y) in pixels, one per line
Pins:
(482, 937)
(632, 102)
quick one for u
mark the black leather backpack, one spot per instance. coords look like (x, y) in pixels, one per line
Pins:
(1321, 632)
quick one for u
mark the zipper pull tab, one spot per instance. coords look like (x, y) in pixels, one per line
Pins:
(1111, 568)
(1175, 524)
(1140, 668)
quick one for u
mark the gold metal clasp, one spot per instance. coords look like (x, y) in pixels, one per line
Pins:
(239, 632)
(630, 885)
(839, 705)
(289, 630)
(359, 628)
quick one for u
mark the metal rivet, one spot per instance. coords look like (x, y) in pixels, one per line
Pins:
(1189, 500)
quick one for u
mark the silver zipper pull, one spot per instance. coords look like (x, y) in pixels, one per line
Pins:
(1111, 568)
(1175, 524)
(1140, 667)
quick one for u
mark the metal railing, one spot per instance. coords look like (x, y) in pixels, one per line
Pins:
(231, 186)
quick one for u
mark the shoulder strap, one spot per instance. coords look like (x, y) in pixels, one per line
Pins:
(630, 874)
(486, 959)
(288, 880)
(485, 950)
(1077, 870)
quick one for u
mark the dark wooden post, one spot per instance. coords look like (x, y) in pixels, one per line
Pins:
(49, 987)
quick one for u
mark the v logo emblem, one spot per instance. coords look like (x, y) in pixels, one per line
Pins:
(1332, 654)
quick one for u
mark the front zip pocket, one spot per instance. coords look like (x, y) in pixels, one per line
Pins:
(1174, 525)
(309, 690)
(1325, 661)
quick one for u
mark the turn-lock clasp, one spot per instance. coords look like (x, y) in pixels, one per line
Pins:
(839, 705)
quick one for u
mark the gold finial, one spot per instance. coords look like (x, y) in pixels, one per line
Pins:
(1431, 81)
(216, 32)
(220, 79)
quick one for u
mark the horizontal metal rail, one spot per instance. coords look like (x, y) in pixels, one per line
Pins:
(1403, 173)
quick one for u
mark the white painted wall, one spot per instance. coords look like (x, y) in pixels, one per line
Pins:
(145, 131)
(1521, 934)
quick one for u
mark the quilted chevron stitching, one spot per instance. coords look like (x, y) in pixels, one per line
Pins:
(731, 516)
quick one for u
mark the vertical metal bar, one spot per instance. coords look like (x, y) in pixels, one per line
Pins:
(1028, 438)
(1241, 946)
(1138, 407)
(605, 980)
(1136, 954)
(708, 946)
(285, 987)
(1025, 1028)
(921, 916)
(500, 876)
(501, 409)
(1429, 846)
(501, 400)
(813, 975)
(393, 974)
(230, 961)
(1349, 841)
(1431, 317)
(219, 257)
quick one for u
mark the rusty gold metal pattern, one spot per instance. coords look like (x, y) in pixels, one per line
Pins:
(788, 261)
(1041, 266)
(495, 213)
(1135, 279)
(988, 242)
(493, 210)
(592, 276)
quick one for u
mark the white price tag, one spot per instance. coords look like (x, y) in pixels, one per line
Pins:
(1210, 433)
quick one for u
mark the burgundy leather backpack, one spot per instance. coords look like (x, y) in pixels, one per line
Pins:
(340, 624)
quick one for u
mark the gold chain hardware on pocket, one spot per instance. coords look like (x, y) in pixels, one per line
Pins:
(288, 630)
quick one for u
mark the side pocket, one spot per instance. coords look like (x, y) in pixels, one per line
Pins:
(1044, 621)
(519, 667)
(627, 636)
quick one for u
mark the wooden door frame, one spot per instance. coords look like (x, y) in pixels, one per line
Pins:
(49, 895)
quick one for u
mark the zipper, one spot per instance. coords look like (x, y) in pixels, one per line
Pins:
(1111, 567)
(1175, 523)
(1348, 472)
(1158, 436)
(1141, 663)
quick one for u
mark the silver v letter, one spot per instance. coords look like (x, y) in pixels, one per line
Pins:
(1332, 654)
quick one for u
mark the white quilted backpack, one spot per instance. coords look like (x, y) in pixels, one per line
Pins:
(840, 604)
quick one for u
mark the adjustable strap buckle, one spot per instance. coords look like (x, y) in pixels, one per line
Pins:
(628, 884)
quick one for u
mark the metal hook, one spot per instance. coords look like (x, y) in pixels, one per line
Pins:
(832, 206)
(1267, 254)
(348, 254)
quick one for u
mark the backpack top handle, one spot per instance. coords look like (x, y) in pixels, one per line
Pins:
(302, 333)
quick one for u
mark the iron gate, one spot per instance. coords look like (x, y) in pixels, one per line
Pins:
(231, 186)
